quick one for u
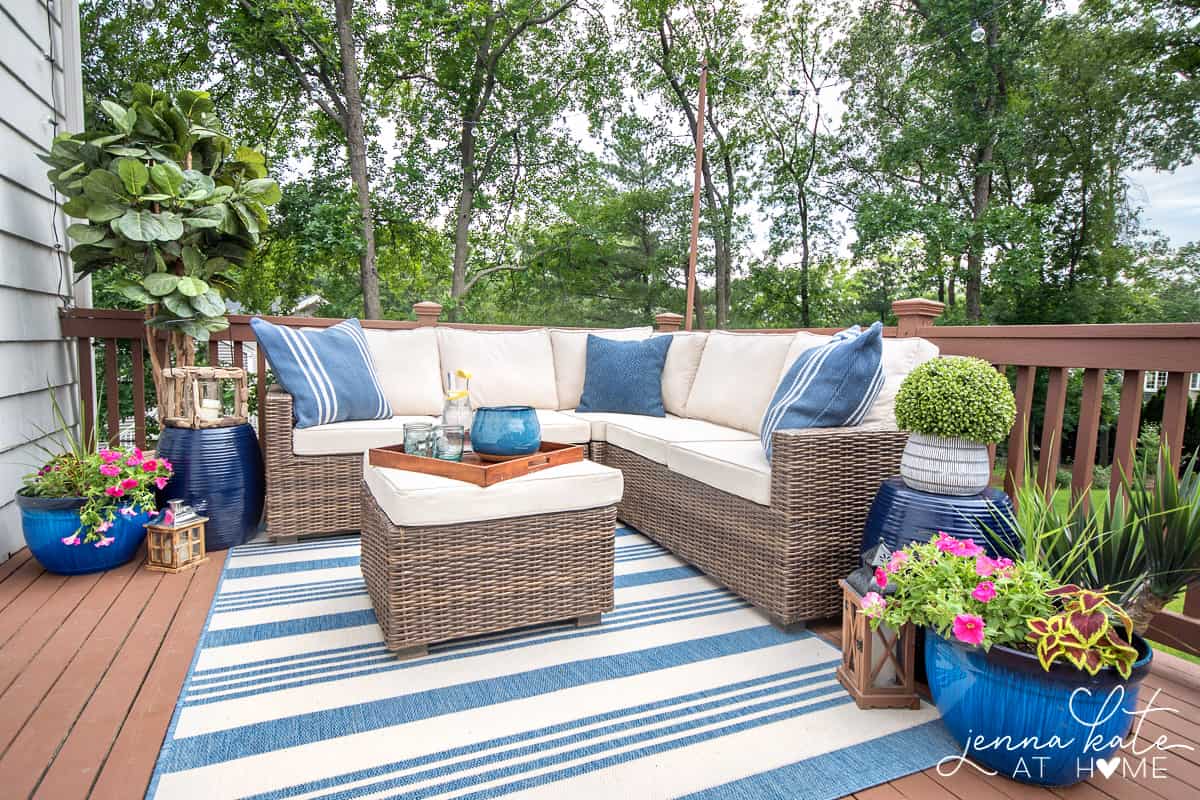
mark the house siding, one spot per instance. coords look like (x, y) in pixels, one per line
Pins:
(35, 280)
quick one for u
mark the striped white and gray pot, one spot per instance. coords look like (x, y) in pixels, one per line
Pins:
(943, 465)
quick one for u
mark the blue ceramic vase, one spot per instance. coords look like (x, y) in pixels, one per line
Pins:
(218, 471)
(47, 521)
(500, 432)
(1003, 709)
(900, 515)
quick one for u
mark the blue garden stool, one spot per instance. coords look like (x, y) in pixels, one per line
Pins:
(901, 515)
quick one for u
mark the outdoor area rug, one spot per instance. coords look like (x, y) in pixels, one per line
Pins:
(685, 690)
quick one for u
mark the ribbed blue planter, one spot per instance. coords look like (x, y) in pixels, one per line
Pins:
(219, 471)
(505, 431)
(900, 515)
(1003, 709)
(47, 521)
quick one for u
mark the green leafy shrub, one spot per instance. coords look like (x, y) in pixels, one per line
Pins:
(961, 398)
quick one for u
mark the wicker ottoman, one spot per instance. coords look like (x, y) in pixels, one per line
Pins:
(444, 559)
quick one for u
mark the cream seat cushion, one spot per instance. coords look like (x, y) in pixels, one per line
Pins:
(650, 437)
(416, 499)
(570, 358)
(598, 421)
(900, 357)
(409, 369)
(739, 468)
(354, 436)
(507, 368)
(563, 428)
(679, 371)
(737, 378)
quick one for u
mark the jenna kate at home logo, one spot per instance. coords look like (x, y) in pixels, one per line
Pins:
(1140, 756)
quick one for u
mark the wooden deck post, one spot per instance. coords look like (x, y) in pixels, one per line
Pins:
(427, 313)
(916, 315)
(668, 322)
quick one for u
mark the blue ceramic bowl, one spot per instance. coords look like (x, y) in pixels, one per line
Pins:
(47, 521)
(506, 431)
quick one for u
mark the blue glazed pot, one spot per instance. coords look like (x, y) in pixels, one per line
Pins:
(218, 471)
(47, 521)
(1006, 693)
(900, 515)
(505, 431)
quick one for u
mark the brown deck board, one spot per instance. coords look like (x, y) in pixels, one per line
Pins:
(26, 643)
(10, 566)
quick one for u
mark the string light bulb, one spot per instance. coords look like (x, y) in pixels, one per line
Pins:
(978, 33)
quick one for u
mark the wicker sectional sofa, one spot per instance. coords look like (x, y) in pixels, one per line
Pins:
(779, 533)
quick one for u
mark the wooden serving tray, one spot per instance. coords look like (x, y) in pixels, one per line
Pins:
(472, 468)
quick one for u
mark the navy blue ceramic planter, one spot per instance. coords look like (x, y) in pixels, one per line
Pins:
(505, 431)
(1006, 698)
(219, 471)
(46, 522)
(901, 515)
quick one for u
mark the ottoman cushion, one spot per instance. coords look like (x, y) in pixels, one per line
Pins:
(413, 499)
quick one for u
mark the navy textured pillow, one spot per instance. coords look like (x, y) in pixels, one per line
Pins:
(329, 373)
(625, 377)
(829, 386)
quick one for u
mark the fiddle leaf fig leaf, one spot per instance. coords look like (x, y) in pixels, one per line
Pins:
(264, 190)
(209, 304)
(139, 226)
(196, 186)
(103, 187)
(160, 284)
(207, 217)
(191, 287)
(134, 291)
(123, 118)
(86, 234)
(172, 225)
(178, 305)
(133, 174)
(193, 259)
(103, 212)
(168, 177)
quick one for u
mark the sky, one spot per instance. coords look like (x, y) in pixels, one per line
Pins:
(1170, 201)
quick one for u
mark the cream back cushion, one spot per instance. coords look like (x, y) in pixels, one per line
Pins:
(737, 377)
(409, 369)
(801, 342)
(570, 358)
(507, 368)
(679, 371)
(900, 357)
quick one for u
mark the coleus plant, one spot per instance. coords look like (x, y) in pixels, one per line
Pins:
(168, 202)
(1083, 632)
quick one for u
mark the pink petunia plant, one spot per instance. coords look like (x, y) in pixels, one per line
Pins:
(954, 587)
(114, 483)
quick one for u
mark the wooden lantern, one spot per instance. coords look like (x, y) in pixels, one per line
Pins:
(194, 397)
(877, 665)
(174, 548)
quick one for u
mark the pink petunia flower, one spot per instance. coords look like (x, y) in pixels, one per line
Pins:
(111, 470)
(881, 577)
(985, 566)
(897, 560)
(103, 526)
(167, 465)
(127, 511)
(129, 483)
(966, 548)
(150, 466)
(985, 592)
(105, 541)
(72, 539)
(114, 491)
(160, 482)
(968, 628)
(873, 604)
(109, 456)
(945, 543)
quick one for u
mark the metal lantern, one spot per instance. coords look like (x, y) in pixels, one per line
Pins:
(176, 546)
(877, 665)
(195, 397)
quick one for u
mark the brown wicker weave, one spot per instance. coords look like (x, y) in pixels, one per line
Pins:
(785, 558)
(430, 584)
(307, 495)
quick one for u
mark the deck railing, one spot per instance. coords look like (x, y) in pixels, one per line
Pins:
(112, 339)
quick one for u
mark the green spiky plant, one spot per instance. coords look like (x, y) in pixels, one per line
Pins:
(169, 204)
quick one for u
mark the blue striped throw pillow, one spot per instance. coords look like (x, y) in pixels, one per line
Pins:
(829, 386)
(329, 373)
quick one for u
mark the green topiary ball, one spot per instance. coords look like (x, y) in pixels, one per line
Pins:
(961, 398)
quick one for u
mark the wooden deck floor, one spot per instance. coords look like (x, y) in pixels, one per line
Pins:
(90, 668)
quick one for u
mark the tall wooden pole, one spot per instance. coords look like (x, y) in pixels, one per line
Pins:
(691, 276)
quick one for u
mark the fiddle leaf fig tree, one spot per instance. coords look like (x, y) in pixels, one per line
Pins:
(167, 201)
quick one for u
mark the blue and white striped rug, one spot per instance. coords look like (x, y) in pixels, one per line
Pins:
(684, 690)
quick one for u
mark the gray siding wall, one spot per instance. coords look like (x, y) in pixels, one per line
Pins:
(35, 280)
